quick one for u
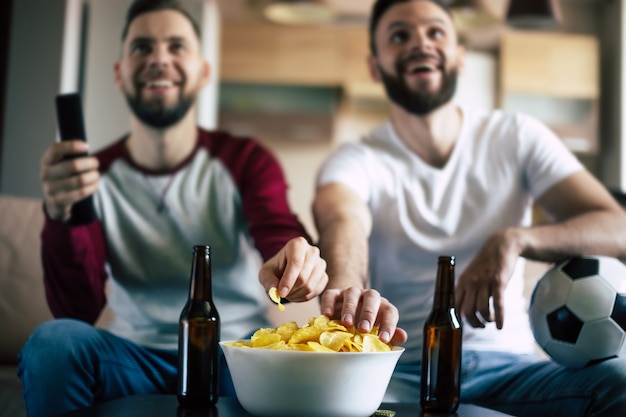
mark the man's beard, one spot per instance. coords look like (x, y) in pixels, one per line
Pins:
(418, 103)
(156, 114)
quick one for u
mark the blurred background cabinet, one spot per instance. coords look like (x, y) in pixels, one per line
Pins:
(265, 53)
(554, 76)
(261, 52)
(293, 83)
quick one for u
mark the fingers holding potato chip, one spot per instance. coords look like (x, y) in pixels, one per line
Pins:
(273, 293)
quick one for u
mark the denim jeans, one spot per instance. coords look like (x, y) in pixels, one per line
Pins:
(68, 364)
(524, 385)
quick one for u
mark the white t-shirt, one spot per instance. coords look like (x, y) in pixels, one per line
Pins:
(500, 163)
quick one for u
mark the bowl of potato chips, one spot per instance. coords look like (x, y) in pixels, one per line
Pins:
(321, 369)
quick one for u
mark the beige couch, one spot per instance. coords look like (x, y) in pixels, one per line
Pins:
(22, 301)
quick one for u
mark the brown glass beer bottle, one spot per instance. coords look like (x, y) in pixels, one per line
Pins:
(441, 352)
(198, 337)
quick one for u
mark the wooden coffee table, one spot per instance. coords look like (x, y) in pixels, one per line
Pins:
(167, 406)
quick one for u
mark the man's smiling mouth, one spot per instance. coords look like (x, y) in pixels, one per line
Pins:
(421, 67)
(159, 84)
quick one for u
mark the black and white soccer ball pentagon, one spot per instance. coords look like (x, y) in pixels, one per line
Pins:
(578, 310)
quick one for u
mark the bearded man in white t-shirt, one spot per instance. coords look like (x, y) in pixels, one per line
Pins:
(441, 179)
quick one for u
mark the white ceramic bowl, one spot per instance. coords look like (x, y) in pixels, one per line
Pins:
(279, 383)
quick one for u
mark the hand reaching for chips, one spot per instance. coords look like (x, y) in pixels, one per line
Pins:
(320, 334)
(273, 293)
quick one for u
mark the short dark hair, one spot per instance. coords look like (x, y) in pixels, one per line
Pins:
(139, 7)
(381, 6)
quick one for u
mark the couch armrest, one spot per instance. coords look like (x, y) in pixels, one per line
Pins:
(22, 300)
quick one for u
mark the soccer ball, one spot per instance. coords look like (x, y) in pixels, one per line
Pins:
(578, 310)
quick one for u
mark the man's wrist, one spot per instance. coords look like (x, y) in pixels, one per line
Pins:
(516, 239)
(61, 218)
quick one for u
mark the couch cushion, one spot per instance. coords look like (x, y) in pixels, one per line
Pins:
(22, 299)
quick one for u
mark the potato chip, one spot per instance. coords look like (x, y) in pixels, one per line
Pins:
(305, 334)
(324, 323)
(264, 337)
(273, 293)
(318, 347)
(299, 347)
(384, 413)
(287, 330)
(280, 345)
(334, 340)
(371, 343)
(320, 334)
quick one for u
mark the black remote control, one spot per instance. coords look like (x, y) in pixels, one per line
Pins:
(71, 127)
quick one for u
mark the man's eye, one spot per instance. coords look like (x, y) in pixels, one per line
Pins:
(141, 48)
(399, 37)
(177, 47)
(436, 33)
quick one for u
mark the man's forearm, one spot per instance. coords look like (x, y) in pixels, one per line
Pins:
(73, 260)
(343, 244)
(599, 232)
(344, 223)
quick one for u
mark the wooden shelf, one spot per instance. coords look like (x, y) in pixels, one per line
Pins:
(553, 76)
(550, 63)
(257, 52)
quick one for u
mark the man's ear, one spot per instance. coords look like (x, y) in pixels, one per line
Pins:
(117, 76)
(206, 73)
(374, 69)
(461, 58)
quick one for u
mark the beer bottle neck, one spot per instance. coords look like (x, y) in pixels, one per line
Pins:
(201, 286)
(444, 285)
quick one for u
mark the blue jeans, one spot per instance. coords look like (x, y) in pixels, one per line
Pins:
(524, 385)
(68, 364)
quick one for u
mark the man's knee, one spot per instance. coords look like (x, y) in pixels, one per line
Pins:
(611, 395)
(53, 342)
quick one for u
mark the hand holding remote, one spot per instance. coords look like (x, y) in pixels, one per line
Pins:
(71, 127)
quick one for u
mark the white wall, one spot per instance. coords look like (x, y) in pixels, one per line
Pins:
(477, 82)
(106, 113)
